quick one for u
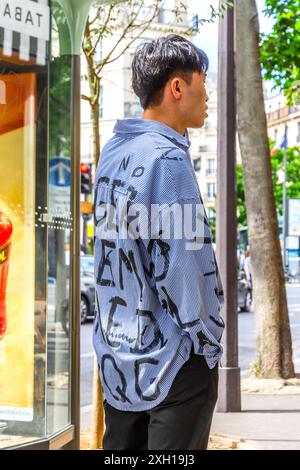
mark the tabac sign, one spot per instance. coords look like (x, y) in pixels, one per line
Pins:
(25, 28)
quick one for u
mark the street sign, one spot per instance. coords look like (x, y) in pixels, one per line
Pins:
(25, 29)
(60, 185)
(292, 243)
(294, 217)
(26, 17)
(86, 207)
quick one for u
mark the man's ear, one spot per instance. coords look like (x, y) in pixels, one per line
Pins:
(176, 88)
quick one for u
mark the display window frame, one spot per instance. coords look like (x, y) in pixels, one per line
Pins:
(66, 435)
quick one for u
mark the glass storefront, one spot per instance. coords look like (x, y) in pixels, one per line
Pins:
(36, 223)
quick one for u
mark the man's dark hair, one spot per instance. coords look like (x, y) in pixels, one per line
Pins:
(155, 62)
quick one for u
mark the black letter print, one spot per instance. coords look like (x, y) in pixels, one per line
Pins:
(103, 179)
(219, 322)
(217, 269)
(133, 192)
(115, 301)
(124, 163)
(130, 265)
(121, 391)
(105, 261)
(138, 171)
(219, 293)
(165, 157)
(29, 18)
(98, 319)
(115, 184)
(158, 336)
(137, 366)
(164, 251)
(7, 11)
(170, 306)
(203, 340)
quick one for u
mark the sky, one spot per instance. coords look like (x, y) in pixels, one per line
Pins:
(207, 39)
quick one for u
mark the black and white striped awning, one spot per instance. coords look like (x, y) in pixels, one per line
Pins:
(25, 29)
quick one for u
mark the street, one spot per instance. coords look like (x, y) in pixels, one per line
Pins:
(247, 331)
(246, 347)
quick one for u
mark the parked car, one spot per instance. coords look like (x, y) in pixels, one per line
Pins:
(244, 293)
(87, 288)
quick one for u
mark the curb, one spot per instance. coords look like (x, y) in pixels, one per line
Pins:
(219, 441)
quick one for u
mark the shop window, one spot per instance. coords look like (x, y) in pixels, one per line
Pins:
(35, 230)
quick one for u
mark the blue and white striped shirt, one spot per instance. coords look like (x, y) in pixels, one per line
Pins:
(156, 297)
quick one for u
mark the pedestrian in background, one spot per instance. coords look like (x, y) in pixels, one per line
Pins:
(248, 269)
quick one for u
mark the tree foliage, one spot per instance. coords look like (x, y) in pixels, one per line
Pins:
(277, 164)
(280, 55)
(292, 177)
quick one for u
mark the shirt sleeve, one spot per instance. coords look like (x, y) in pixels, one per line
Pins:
(187, 279)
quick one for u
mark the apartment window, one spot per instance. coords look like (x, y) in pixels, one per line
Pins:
(161, 16)
(133, 109)
(197, 164)
(211, 167)
(128, 60)
(211, 190)
(211, 213)
(298, 135)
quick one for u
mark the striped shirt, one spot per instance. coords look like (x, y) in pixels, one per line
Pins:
(158, 291)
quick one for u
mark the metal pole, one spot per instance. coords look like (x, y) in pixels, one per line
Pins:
(75, 251)
(229, 374)
(284, 199)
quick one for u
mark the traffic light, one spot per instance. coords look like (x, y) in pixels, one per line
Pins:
(86, 178)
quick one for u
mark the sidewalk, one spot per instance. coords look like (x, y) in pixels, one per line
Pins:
(270, 422)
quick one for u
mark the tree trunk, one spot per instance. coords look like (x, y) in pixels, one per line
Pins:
(96, 131)
(94, 85)
(97, 430)
(274, 337)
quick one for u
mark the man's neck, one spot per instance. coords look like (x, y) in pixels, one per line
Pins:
(164, 119)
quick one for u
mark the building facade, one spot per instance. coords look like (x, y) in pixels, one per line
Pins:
(119, 101)
(280, 115)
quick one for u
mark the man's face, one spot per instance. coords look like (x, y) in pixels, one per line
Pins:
(193, 106)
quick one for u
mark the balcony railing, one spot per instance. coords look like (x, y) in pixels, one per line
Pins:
(282, 113)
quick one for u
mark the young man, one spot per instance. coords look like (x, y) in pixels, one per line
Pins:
(158, 327)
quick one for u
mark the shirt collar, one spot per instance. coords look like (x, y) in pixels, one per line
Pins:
(141, 126)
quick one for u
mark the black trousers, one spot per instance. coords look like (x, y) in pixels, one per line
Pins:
(181, 422)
